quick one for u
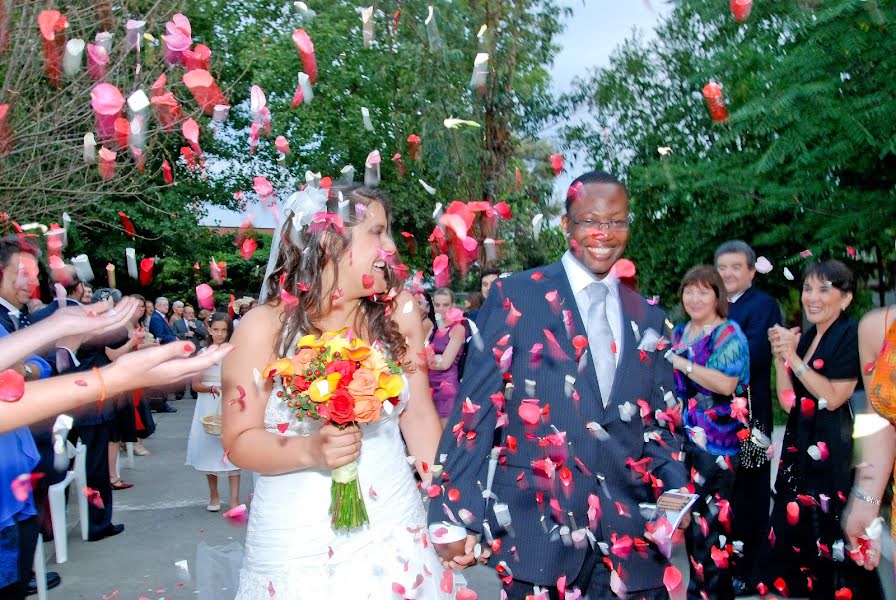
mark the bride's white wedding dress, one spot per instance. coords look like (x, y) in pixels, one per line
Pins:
(292, 552)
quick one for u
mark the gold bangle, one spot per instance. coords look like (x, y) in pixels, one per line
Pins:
(102, 388)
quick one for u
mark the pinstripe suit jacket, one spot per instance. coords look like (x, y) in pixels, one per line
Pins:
(548, 480)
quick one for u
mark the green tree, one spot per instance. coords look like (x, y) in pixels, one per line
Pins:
(409, 84)
(805, 161)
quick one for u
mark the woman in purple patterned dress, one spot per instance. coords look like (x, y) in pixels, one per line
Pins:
(448, 344)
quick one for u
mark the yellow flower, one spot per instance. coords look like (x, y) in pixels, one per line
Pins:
(391, 384)
(338, 344)
(321, 389)
(280, 368)
(309, 341)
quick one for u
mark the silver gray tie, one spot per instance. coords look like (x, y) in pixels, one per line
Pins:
(600, 339)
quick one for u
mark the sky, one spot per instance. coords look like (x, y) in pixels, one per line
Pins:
(591, 34)
(596, 28)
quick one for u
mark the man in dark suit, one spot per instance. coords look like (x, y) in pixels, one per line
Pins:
(188, 328)
(18, 279)
(158, 327)
(578, 435)
(756, 312)
(158, 324)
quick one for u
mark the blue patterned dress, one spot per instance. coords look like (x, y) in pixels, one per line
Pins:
(724, 349)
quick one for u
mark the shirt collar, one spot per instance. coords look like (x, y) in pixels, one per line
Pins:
(580, 277)
(12, 309)
(737, 296)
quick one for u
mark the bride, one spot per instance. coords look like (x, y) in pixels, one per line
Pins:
(324, 277)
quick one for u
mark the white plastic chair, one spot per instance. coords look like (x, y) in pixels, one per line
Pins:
(130, 465)
(57, 504)
(40, 568)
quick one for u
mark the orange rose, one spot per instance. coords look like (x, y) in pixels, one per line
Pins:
(364, 383)
(303, 359)
(367, 409)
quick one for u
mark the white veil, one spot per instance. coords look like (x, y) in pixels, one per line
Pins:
(299, 209)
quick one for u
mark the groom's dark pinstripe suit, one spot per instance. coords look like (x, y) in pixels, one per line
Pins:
(539, 502)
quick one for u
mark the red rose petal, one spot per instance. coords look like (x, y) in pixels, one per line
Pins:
(12, 386)
(530, 413)
(843, 594)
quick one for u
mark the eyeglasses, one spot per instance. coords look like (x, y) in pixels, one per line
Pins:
(615, 225)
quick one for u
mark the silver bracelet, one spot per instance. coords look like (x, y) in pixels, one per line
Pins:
(801, 370)
(865, 497)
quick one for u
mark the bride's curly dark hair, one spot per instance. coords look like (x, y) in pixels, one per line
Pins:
(302, 267)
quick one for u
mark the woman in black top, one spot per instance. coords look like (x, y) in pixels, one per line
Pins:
(816, 372)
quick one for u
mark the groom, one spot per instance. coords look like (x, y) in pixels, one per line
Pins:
(570, 383)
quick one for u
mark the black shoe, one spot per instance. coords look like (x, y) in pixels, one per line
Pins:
(179, 396)
(740, 587)
(108, 532)
(53, 580)
(167, 408)
(194, 395)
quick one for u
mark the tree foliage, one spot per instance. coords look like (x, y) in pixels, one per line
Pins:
(43, 172)
(805, 161)
(409, 84)
(408, 80)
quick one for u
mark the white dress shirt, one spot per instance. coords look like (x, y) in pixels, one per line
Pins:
(579, 279)
(13, 312)
(736, 297)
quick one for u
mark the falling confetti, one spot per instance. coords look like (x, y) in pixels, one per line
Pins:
(763, 265)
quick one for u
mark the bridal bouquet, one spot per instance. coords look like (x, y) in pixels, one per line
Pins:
(338, 378)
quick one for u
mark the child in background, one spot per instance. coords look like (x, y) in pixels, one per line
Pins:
(204, 450)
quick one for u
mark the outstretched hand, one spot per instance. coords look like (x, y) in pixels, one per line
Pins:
(77, 324)
(159, 366)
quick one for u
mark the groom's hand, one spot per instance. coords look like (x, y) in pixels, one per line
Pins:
(468, 558)
(335, 447)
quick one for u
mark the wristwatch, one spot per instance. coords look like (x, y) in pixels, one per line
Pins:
(800, 370)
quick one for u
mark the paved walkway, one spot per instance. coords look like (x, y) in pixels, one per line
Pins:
(165, 522)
